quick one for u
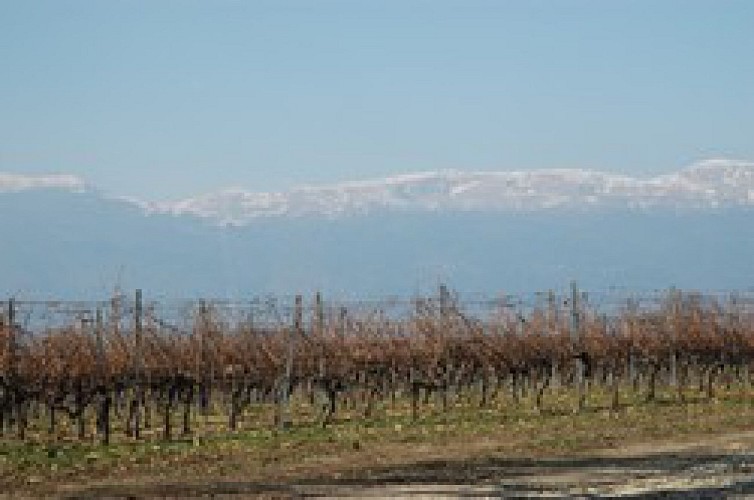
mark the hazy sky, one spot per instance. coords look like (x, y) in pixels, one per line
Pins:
(172, 98)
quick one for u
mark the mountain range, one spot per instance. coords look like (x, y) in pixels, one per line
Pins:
(477, 231)
(709, 184)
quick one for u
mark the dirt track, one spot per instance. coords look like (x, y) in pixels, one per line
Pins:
(716, 467)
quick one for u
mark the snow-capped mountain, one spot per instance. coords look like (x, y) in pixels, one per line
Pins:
(709, 184)
(482, 232)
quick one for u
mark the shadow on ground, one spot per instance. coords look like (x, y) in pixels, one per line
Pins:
(665, 475)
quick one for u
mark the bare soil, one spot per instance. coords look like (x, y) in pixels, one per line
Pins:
(709, 467)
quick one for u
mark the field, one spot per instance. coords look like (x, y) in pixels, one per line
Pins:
(280, 399)
(502, 444)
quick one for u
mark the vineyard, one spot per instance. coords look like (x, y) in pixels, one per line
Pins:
(132, 369)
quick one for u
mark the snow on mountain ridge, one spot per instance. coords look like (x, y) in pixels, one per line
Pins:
(13, 183)
(708, 184)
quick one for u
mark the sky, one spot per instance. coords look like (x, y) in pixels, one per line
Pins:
(167, 99)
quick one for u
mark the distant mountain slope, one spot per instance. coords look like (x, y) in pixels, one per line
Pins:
(68, 240)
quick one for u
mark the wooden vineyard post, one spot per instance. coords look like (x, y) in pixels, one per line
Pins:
(5, 374)
(677, 381)
(103, 419)
(115, 314)
(519, 377)
(618, 366)
(319, 314)
(12, 370)
(10, 348)
(136, 403)
(538, 374)
(15, 382)
(204, 353)
(576, 343)
(444, 313)
(318, 333)
(236, 392)
(114, 321)
(633, 375)
(285, 396)
(444, 301)
(167, 391)
(552, 328)
(673, 326)
(148, 317)
(99, 345)
(741, 356)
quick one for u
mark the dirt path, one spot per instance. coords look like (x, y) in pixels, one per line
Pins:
(710, 467)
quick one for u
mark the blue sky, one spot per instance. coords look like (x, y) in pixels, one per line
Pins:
(172, 98)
